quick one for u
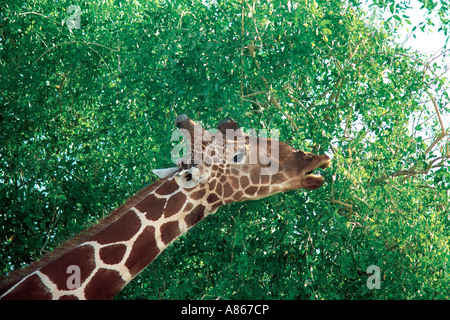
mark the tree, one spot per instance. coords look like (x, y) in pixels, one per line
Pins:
(86, 113)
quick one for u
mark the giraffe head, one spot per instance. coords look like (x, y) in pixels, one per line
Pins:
(233, 166)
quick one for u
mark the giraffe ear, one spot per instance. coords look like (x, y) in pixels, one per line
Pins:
(189, 178)
(164, 173)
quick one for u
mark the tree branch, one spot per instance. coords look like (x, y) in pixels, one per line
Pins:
(38, 14)
(300, 104)
(348, 207)
(399, 173)
(412, 171)
(437, 111)
(288, 116)
(72, 42)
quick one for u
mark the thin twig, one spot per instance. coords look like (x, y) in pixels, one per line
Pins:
(72, 42)
(242, 56)
(441, 136)
(301, 105)
(412, 171)
(288, 116)
(437, 111)
(348, 207)
(38, 14)
(254, 94)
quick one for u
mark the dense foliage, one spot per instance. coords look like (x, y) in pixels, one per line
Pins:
(87, 112)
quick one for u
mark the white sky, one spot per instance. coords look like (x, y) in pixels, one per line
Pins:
(430, 42)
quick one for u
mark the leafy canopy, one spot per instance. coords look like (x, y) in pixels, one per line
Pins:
(86, 113)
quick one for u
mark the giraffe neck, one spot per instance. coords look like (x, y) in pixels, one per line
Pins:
(100, 262)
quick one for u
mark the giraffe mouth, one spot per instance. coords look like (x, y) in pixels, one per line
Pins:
(323, 164)
(311, 180)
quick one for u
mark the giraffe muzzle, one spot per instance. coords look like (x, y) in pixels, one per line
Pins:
(311, 180)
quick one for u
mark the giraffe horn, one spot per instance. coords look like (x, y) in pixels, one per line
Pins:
(223, 125)
(183, 121)
(164, 173)
(195, 134)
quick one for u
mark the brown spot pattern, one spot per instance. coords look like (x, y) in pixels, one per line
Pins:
(195, 216)
(122, 229)
(31, 288)
(143, 252)
(169, 231)
(167, 188)
(174, 204)
(82, 256)
(110, 283)
(112, 254)
(153, 206)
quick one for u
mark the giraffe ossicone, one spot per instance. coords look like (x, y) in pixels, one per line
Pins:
(222, 167)
(229, 144)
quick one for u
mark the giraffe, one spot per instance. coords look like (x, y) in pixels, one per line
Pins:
(222, 167)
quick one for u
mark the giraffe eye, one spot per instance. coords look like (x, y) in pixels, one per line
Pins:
(238, 157)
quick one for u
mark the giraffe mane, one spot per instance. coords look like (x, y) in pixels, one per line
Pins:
(9, 279)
